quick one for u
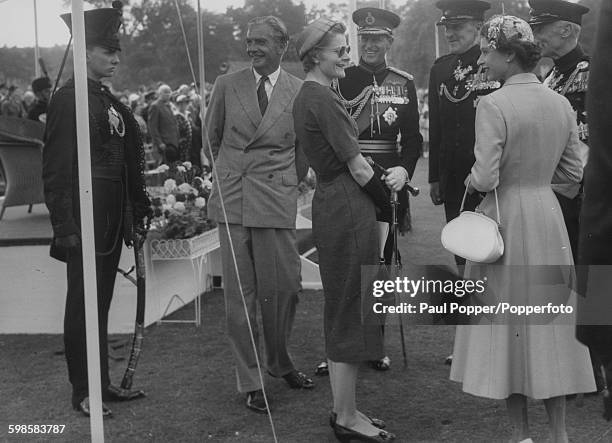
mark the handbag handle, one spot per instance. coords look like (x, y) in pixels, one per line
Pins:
(465, 195)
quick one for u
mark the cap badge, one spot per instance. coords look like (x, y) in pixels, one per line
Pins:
(370, 20)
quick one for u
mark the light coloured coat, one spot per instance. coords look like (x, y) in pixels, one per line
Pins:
(255, 155)
(526, 138)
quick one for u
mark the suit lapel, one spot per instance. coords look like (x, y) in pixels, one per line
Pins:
(247, 96)
(280, 98)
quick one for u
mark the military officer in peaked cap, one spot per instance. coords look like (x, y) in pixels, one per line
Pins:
(120, 201)
(455, 83)
(383, 102)
(41, 87)
(556, 27)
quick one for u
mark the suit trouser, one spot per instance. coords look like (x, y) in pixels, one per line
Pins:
(107, 224)
(269, 268)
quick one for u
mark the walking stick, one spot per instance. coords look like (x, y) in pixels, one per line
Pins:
(139, 239)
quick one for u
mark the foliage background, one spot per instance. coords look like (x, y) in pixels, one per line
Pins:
(153, 48)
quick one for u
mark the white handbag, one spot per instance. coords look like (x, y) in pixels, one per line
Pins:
(473, 235)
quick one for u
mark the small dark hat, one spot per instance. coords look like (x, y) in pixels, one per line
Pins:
(459, 11)
(150, 95)
(312, 35)
(375, 21)
(40, 84)
(101, 26)
(548, 11)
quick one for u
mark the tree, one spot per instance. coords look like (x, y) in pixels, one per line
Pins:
(293, 15)
(414, 48)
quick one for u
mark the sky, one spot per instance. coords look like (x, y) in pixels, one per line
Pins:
(17, 27)
(18, 19)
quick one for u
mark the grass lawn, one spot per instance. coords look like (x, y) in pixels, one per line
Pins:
(188, 376)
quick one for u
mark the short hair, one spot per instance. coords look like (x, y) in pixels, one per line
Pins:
(527, 54)
(308, 62)
(163, 87)
(281, 35)
(575, 29)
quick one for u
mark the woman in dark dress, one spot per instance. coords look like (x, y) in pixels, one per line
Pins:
(344, 221)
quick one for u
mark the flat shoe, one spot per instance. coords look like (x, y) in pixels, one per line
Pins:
(346, 435)
(376, 422)
(298, 380)
(83, 407)
(115, 393)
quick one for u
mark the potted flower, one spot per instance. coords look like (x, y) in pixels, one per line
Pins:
(179, 211)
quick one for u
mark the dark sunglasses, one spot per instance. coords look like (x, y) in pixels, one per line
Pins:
(340, 51)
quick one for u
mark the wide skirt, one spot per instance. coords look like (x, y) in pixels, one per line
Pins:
(537, 360)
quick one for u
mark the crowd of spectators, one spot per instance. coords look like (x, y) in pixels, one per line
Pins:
(182, 109)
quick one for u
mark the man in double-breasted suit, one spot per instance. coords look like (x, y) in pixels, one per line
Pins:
(250, 127)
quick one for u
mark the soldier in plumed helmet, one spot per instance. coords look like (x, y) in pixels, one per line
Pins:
(383, 102)
(455, 85)
(120, 201)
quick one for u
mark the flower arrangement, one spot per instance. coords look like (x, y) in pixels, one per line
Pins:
(179, 206)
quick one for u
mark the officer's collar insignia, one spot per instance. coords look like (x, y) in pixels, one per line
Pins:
(583, 65)
(115, 122)
(370, 20)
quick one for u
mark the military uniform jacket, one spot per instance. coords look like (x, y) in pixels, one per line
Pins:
(39, 109)
(109, 120)
(394, 113)
(255, 155)
(570, 77)
(454, 88)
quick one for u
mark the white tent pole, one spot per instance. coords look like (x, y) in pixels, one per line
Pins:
(200, 35)
(36, 48)
(87, 223)
(352, 32)
(202, 89)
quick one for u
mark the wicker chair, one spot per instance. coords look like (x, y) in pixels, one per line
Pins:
(21, 159)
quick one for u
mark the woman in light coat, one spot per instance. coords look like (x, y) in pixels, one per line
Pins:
(526, 138)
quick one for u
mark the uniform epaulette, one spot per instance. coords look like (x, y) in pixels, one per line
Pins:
(401, 73)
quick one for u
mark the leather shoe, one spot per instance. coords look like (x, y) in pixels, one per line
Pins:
(346, 435)
(298, 380)
(376, 422)
(322, 369)
(255, 401)
(384, 364)
(83, 407)
(115, 393)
